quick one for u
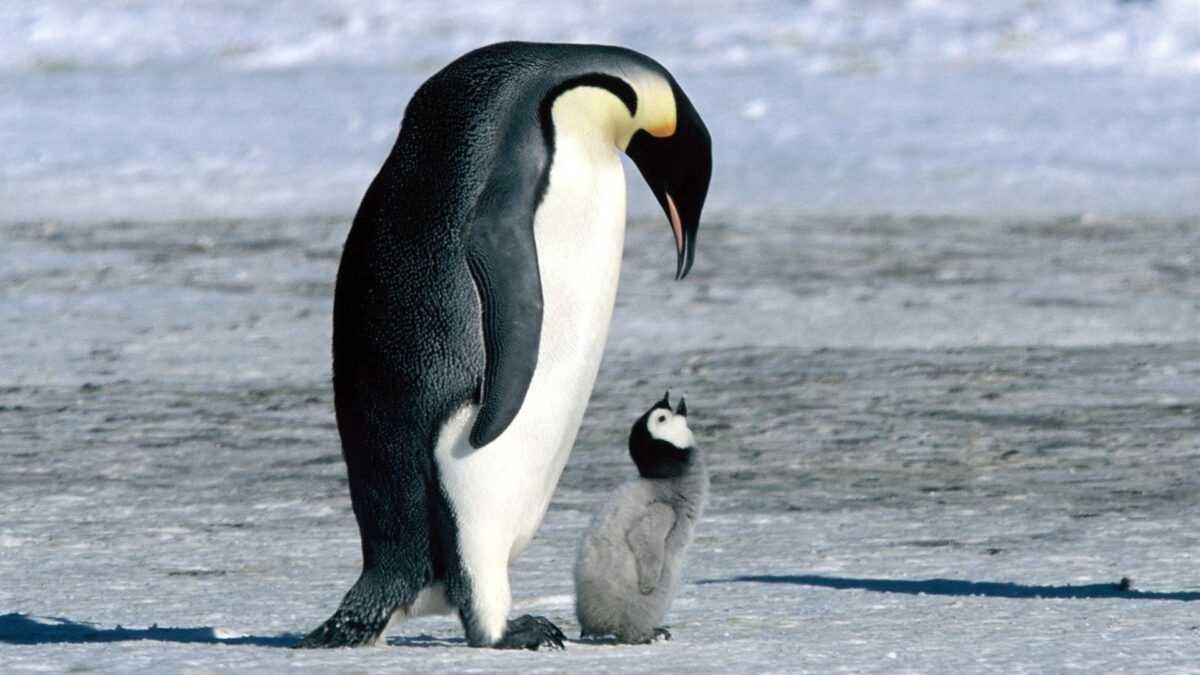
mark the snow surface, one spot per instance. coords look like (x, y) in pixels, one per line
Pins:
(941, 343)
(936, 446)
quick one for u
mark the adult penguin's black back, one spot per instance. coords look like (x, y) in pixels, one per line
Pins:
(471, 308)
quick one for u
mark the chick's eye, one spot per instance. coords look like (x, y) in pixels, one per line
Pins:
(662, 418)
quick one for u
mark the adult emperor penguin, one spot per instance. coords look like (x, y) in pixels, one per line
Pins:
(472, 307)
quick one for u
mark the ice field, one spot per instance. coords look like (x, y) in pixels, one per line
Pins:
(941, 343)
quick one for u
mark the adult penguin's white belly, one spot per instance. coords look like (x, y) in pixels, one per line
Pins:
(500, 492)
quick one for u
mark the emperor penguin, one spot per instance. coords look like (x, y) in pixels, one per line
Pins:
(471, 309)
(627, 569)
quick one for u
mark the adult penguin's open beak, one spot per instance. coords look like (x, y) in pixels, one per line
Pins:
(678, 167)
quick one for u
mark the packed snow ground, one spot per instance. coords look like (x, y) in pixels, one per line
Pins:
(936, 445)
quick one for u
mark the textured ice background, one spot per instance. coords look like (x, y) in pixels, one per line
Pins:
(144, 110)
(941, 341)
(936, 446)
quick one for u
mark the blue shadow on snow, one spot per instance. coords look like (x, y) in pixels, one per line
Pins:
(989, 589)
(22, 629)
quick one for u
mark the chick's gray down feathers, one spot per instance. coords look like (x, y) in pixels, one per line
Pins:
(628, 566)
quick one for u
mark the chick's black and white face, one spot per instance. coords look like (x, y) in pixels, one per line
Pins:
(665, 425)
(660, 442)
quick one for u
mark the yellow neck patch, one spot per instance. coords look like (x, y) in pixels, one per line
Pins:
(595, 111)
(656, 106)
(663, 130)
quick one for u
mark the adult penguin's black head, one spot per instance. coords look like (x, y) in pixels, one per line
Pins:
(649, 116)
(660, 442)
(674, 155)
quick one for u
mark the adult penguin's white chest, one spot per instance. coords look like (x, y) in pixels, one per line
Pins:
(500, 492)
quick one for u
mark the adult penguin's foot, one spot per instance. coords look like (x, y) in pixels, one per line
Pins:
(343, 629)
(531, 632)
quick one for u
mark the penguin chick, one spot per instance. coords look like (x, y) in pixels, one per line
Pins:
(627, 569)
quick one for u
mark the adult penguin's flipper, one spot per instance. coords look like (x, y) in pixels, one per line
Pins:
(502, 257)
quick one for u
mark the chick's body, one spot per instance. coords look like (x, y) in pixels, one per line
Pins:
(628, 567)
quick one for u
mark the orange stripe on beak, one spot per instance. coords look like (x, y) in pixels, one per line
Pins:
(676, 226)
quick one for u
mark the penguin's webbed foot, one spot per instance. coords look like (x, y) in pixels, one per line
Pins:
(343, 629)
(531, 632)
(643, 638)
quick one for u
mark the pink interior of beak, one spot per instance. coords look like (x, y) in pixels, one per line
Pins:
(676, 226)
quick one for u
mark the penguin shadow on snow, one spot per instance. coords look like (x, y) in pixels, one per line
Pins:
(1120, 590)
(434, 641)
(23, 629)
(424, 640)
(614, 642)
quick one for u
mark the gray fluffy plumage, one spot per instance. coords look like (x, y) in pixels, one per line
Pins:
(628, 566)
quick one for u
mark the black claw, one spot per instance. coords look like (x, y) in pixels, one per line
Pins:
(531, 632)
(343, 629)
